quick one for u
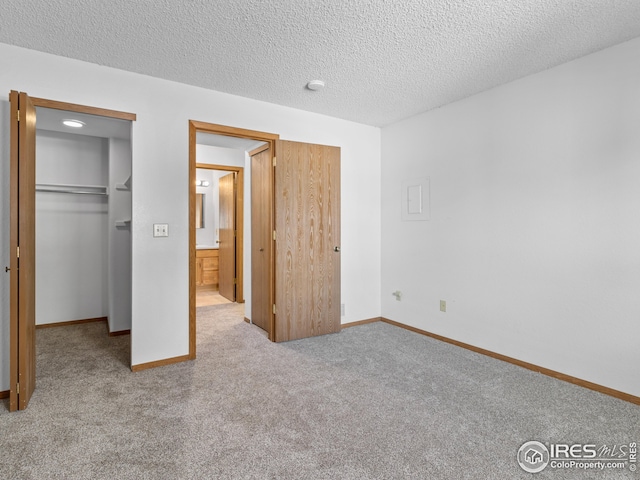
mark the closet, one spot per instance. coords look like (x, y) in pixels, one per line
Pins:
(83, 219)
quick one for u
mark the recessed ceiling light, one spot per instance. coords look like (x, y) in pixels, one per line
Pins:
(315, 85)
(73, 123)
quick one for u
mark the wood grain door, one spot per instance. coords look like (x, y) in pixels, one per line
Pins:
(262, 239)
(307, 247)
(22, 250)
(227, 235)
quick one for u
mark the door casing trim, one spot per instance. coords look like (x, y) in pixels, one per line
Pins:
(195, 127)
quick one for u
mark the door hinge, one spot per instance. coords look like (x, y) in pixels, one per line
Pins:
(18, 115)
(17, 389)
(18, 252)
(274, 234)
(274, 308)
(235, 281)
(274, 161)
(235, 233)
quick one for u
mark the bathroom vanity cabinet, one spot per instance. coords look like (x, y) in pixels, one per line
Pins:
(207, 267)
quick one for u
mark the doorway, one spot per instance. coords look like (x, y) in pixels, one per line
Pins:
(83, 220)
(222, 140)
(219, 224)
(294, 251)
(69, 229)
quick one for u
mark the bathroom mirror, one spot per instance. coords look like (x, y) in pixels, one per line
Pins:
(199, 210)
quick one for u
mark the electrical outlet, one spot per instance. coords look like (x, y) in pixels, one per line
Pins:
(160, 229)
(443, 306)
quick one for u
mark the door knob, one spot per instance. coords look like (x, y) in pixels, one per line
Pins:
(336, 249)
(262, 249)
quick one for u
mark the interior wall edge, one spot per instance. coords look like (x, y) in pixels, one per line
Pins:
(160, 363)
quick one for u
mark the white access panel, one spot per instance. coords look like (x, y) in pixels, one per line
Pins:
(416, 199)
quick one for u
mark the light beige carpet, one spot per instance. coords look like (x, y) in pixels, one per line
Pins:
(372, 402)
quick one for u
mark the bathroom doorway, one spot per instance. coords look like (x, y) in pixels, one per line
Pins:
(219, 230)
(216, 147)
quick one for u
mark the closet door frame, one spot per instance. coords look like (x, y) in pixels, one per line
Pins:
(15, 364)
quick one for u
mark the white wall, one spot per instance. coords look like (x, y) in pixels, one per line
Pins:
(534, 237)
(160, 194)
(71, 230)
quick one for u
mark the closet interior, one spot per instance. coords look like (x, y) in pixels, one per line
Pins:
(83, 219)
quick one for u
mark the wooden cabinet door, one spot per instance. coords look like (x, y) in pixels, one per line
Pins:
(307, 246)
(206, 267)
(209, 270)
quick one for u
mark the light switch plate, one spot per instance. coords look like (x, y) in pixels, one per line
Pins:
(160, 229)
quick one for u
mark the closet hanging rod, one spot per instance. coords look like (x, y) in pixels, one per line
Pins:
(72, 189)
(75, 192)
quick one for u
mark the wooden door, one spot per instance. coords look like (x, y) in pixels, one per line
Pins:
(307, 247)
(22, 250)
(262, 239)
(227, 235)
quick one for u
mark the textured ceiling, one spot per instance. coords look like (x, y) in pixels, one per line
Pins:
(382, 60)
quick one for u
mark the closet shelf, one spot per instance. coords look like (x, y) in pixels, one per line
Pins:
(123, 223)
(72, 189)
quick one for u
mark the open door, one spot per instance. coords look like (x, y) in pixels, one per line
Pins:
(227, 247)
(261, 238)
(307, 247)
(23, 249)
(295, 235)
